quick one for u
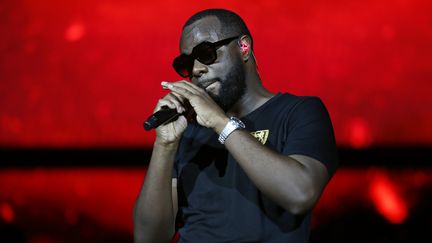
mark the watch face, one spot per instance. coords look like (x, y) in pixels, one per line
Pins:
(237, 122)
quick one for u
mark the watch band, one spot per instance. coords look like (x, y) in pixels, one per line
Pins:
(233, 124)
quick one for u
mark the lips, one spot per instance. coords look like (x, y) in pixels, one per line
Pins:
(209, 87)
(205, 84)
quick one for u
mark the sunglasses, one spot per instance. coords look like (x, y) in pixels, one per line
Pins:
(205, 53)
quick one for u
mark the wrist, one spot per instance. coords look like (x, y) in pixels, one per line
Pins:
(166, 144)
(233, 124)
(221, 124)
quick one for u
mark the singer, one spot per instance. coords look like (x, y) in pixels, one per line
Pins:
(252, 165)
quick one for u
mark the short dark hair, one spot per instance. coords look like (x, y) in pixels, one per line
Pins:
(232, 23)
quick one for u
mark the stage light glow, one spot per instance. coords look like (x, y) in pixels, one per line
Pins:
(7, 213)
(387, 200)
(359, 133)
(74, 32)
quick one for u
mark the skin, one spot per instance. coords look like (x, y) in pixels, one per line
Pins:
(294, 182)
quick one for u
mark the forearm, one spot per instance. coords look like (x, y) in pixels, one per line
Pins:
(283, 179)
(153, 213)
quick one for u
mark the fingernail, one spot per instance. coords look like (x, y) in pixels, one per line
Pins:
(164, 84)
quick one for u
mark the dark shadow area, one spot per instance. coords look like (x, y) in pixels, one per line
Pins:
(396, 156)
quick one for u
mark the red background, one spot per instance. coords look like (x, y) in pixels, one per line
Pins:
(86, 74)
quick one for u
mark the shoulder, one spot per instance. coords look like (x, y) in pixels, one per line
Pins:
(285, 107)
(297, 100)
(307, 110)
(293, 101)
(292, 104)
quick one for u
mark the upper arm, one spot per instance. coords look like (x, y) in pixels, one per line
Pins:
(310, 133)
(314, 177)
(316, 171)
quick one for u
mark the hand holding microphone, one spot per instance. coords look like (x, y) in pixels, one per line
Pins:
(170, 117)
(187, 96)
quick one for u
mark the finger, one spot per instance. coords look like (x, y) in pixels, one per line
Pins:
(192, 86)
(180, 98)
(174, 102)
(184, 85)
(164, 102)
(177, 101)
(180, 90)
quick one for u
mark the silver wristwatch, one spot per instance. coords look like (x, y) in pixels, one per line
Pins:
(233, 124)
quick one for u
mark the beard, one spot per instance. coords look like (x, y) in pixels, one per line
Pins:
(233, 87)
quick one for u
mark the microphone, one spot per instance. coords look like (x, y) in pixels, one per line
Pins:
(162, 116)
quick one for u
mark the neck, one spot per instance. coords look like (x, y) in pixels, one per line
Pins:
(255, 96)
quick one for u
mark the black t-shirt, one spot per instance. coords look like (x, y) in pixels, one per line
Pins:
(217, 200)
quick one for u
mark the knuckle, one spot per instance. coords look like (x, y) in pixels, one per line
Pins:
(171, 96)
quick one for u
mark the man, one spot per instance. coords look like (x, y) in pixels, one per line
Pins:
(253, 164)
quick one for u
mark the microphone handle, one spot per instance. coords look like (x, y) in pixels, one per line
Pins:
(162, 116)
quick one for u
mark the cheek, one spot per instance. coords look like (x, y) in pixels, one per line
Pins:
(223, 65)
(221, 70)
(216, 71)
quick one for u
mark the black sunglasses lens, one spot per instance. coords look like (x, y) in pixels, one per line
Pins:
(205, 53)
(183, 65)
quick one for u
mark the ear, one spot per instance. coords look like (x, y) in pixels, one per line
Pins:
(245, 44)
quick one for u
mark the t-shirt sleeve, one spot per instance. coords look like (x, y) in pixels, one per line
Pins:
(310, 133)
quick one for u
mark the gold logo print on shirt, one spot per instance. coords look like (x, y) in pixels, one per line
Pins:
(261, 135)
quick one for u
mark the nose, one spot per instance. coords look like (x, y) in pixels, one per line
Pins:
(198, 69)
